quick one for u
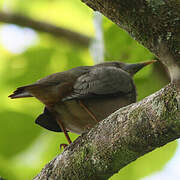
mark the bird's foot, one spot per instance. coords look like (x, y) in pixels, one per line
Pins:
(63, 146)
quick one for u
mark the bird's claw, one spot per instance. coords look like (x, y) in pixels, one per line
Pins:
(63, 146)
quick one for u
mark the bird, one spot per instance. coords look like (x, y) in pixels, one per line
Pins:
(77, 99)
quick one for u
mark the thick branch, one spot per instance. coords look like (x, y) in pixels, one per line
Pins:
(45, 27)
(154, 23)
(120, 139)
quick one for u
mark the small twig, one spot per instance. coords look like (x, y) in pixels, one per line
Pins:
(56, 31)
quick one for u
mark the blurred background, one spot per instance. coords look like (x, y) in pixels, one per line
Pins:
(40, 37)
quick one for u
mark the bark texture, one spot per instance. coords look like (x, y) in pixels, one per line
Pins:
(141, 127)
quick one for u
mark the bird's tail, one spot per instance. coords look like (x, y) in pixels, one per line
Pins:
(20, 92)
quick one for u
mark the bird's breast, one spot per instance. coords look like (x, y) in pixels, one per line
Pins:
(76, 118)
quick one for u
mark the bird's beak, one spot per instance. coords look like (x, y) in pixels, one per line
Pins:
(148, 62)
(134, 68)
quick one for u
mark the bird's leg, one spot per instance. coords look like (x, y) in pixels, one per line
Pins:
(49, 107)
(65, 133)
(87, 110)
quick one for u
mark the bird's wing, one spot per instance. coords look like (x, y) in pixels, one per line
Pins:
(102, 81)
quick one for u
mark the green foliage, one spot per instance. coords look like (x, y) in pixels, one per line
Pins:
(65, 13)
(25, 147)
(120, 46)
(18, 133)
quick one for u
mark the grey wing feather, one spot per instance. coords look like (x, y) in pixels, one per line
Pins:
(102, 81)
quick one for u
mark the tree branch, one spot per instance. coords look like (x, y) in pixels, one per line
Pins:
(56, 31)
(120, 139)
